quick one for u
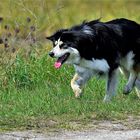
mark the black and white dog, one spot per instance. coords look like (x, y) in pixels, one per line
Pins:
(100, 48)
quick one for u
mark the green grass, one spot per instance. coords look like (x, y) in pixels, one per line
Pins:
(50, 97)
(32, 91)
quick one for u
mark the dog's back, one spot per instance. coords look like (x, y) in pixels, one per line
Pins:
(119, 42)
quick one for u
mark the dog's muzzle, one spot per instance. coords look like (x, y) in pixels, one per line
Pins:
(51, 54)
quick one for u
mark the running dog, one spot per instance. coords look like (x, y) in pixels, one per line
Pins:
(100, 48)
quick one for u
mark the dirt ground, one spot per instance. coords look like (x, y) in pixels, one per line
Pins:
(98, 130)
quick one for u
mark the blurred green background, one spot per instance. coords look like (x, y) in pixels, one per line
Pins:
(53, 14)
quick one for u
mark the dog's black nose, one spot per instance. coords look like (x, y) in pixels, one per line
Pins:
(51, 54)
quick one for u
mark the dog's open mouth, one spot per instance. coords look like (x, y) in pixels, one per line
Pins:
(61, 60)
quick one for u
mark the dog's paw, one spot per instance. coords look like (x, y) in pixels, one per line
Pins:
(137, 92)
(107, 99)
(137, 84)
(127, 89)
(78, 92)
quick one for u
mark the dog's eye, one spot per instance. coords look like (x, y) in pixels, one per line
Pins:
(63, 46)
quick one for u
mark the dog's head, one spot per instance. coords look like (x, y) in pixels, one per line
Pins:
(64, 47)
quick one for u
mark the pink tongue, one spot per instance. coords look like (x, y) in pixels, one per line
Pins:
(57, 65)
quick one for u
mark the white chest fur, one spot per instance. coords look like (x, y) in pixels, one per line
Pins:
(95, 65)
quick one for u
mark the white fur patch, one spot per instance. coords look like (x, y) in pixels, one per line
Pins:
(128, 61)
(87, 30)
(101, 65)
(95, 64)
(58, 42)
(56, 50)
(55, 42)
(74, 56)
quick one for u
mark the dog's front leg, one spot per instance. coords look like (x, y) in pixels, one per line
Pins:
(77, 89)
(111, 85)
(78, 82)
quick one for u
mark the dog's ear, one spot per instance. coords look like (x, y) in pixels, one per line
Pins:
(56, 35)
(69, 36)
(74, 36)
(51, 38)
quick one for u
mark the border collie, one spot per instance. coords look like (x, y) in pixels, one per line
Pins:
(100, 48)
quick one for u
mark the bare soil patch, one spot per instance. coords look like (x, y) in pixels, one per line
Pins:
(97, 130)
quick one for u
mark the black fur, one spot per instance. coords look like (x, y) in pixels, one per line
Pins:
(109, 40)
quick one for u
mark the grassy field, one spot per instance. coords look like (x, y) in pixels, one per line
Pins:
(32, 92)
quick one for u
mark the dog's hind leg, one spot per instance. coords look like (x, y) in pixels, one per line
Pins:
(124, 72)
(137, 82)
(137, 86)
(111, 85)
(130, 84)
(137, 92)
